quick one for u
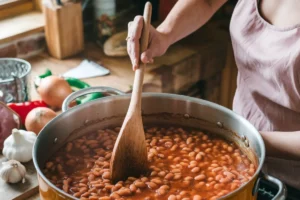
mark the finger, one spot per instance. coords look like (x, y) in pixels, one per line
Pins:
(129, 24)
(129, 44)
(147, 57)
(134, 34)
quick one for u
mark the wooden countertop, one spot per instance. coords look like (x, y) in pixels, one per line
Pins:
(121, 76)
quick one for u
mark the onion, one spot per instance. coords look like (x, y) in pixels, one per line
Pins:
(53, 90)
(38, 118)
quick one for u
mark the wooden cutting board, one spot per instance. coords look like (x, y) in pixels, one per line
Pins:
(20, 191)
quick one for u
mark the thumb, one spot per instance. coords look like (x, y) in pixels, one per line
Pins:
(147, 56)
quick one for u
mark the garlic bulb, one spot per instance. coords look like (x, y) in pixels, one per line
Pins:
(12, 171)
(18, 146)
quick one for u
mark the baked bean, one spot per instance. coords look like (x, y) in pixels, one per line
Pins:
(199, 185)
(251, 171)
(225, 180)
(208, 150)
(195, 169)
(77, 194)
(217, 169)
(153, 142)
(210, 179)
(106, 175)
(115, 195)
(162, 174)
(152, 185)
(188, 178)
(175, 170)
(49, 165)
(192, 154)
(229, 174)
(104, 198)
(230, 149)
(169, 176)
(172, 197)
(177, 176)
(66, 187)
(74, 189)
(157, 181)
(86, 194)
(59, 168)
(198, 156)
(84, 189)
(162, 191)
(84, 180)
(234, 186)
(133, 188)
(200, 177)
(185, 184)
(124, 192)
(140, 184)
(168, 144)
(166, 187)
(197, 197)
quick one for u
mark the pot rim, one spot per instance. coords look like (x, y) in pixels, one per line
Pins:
(162, 95)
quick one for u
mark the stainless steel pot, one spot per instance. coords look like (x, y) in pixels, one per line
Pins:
(157, 108)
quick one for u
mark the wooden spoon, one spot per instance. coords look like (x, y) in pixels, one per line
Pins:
(129, 157)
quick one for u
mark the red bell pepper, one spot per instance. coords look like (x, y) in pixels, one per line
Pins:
(24, 108)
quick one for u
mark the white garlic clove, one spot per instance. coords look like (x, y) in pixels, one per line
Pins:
(12, 171)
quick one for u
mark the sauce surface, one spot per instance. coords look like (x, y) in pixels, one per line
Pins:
(184, 164)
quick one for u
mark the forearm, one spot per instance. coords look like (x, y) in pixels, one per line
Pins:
(282, 144)
(187, 16)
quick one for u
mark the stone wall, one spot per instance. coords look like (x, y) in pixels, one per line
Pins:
(24, 47)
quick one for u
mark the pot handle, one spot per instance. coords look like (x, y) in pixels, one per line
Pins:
(108, 90)
(282, 190)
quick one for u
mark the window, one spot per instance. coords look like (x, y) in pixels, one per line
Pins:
(9, 8)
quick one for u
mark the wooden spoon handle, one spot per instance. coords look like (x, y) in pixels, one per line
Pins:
(135, 103)
(146, 27)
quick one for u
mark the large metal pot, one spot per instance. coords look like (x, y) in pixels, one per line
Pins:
(156, 108)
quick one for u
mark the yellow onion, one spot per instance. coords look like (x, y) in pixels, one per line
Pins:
(53, 90)
(38, 118)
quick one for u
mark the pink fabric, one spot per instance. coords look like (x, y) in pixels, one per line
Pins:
(268, 92)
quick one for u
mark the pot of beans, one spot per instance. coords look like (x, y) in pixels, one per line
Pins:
(197, 150)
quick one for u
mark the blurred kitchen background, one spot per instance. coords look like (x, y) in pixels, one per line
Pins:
(58, 34)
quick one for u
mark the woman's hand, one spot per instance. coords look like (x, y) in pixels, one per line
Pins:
(185, 17)
(158, 43)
